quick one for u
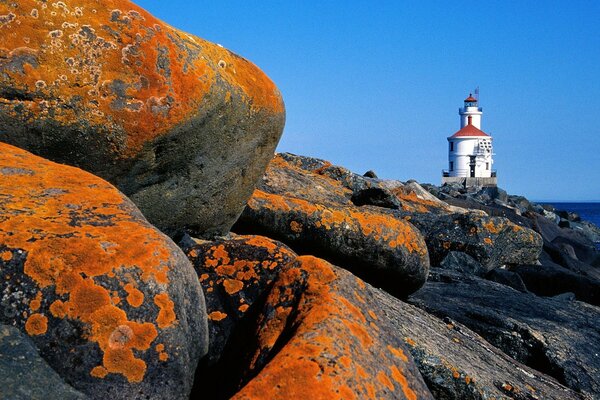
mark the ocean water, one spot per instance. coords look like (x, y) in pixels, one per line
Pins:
(587, 211)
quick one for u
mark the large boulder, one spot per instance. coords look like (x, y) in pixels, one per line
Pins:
(314, 214)
(175, 122)
(294, 327)
(385, 251)
(24, 375)
(112, 304)
(555, 336)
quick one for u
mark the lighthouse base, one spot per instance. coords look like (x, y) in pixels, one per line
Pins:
(471, 182)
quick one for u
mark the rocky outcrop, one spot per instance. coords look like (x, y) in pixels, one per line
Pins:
(112, 304)
(314, 215)
(558, 337)
(24, 375)
(458, 364)
(175, 122)
(295, 327)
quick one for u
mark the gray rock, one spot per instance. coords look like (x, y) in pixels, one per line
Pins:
(462, 262)
(558, 338)
(24, 375)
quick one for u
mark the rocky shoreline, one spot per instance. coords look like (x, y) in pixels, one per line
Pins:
(151, 246)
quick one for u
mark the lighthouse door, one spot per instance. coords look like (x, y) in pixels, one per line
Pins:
(472, 166)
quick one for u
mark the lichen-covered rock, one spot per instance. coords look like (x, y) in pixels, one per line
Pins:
(174, 121)
(320, 336)
(235, 273)
(111, 303)
(24, 375)
(383, 250)
(295, 327)
(557, 337)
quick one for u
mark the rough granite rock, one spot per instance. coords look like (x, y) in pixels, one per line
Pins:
(234, 273)
(175, 122)
(295, 327)
(491, 241)
(24, 375)
(110, 302)
(320, 337)
(314, 215)
(462, 262)
(558, 337)
(458, 364)
(384, 251)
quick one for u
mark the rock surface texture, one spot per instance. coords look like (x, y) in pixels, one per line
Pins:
(175, 122)
(313, 214)
(112, 304)
(558, 337)
(296, 327)
(24, 375)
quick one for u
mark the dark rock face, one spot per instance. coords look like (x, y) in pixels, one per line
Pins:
(24, 375)
(458, 364)
(175, 122)
(507, 278)
(558, 337)
(551, 279)
(313, 214)
(110, 302)
(235, 274)
(462, 262)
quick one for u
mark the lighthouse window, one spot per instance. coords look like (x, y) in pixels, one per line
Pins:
(451, 165)
(487, 166)
(451, 146)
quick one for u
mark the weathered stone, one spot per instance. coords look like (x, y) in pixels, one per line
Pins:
(550, 279)
(181, 125)
(112, 304)
(462, 262)
(556, 337)
(321, 336)
(507, 278)
(383, 250)
(234, 274)
(24, 375)
(458, 364)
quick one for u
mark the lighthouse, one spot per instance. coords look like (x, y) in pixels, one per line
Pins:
(470, 155)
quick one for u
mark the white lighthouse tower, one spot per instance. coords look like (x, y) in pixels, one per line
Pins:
(470, 156)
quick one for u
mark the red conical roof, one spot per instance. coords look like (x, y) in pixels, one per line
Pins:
(471, 99)
(469, 130)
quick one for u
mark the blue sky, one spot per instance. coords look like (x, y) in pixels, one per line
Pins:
(377, 85)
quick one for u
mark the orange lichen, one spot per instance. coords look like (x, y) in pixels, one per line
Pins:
(383, 378)
(398, 353)
(296, 227)
(36, 303)
(142, 76)
(410, 342)
(76, 227)
(327, 326)
(135, 297)
(378, 226)
(162, 355)
(6, 256)
(487, 240)
(401, 379)
(217, 316)
(37, 324)
(99, 372)
(232, 286)
(166, 315)
(243, 307)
